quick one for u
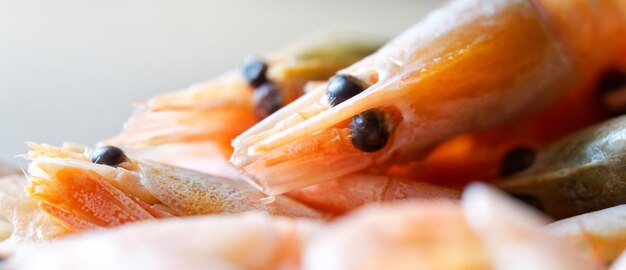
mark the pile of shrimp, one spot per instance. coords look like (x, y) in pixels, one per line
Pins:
(486, 136)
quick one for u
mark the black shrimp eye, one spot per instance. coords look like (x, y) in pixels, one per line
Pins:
(368, 131)
(267, 99)
(254, 70)
(343, 87)
(517, 160)
(108, 155)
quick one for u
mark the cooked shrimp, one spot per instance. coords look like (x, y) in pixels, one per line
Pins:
(452, 73)
(514, 235)
(192, 128)
(602, 232)
(57, 174)
(220, 109)
(486, 231)
(250, 241)
(408, 235)
(85, 189)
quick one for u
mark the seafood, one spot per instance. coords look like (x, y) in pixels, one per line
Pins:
(445, 76)
(198, 123)
(249, 241)
(479, 77)
(578, 174)
(487, 231)
(56, 175)
(407, 235)
(83, 195)
(602, 232)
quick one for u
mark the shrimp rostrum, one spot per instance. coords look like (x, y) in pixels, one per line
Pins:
(471, 65)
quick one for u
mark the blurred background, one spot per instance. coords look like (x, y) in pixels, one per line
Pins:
(69, 69)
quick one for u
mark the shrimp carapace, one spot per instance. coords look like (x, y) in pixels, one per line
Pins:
(469, 66)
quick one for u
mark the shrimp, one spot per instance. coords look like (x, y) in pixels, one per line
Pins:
(58, 176)
(445, 76)
(485, 231)
(314, 58)
(198, 123)
(249, 241)
(604, 231)
(85, 195)
(407, 235)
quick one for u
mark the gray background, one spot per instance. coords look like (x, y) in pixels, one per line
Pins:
(70, 68)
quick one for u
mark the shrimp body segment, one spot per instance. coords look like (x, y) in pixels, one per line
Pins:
(446, 75)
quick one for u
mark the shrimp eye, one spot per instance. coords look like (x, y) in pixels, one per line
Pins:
(517, 160)
(368, 131)
(343, 87)
(108, 155)
(267, 99)
(254, 70)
